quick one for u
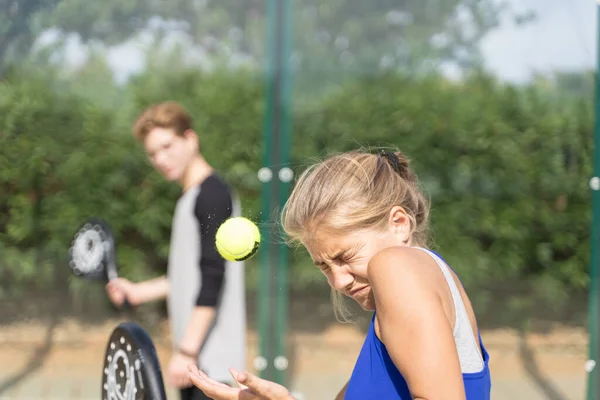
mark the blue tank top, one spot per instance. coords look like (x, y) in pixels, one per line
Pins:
(376, 377)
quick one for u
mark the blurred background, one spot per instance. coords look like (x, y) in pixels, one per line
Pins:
(492, 100)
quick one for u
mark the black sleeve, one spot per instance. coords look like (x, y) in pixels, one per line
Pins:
(213, 207)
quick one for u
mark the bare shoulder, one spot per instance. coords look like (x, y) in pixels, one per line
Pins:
(406, 264)
(408, 288)
(412, 320)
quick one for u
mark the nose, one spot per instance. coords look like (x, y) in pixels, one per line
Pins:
(340, 279)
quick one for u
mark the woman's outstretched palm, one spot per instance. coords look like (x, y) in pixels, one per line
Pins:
(251, 387)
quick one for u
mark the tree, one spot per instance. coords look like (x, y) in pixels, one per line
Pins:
(329, 35)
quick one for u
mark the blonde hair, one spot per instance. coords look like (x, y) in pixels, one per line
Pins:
(352, 191)
(167, 115)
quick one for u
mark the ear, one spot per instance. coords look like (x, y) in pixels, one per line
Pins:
(399, 223)
(192, 137)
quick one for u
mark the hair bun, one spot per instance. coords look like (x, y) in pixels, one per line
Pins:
(399, 163)
(404, 167)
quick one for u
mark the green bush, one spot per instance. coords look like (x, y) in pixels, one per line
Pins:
(506, 168)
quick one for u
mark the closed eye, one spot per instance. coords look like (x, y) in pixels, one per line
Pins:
(353, 253)
(322, 265)
(340, 258)
(345, 257)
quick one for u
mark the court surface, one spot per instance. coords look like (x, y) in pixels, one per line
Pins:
(38, 363)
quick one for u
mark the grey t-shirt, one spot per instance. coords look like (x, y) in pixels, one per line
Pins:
(198, 275)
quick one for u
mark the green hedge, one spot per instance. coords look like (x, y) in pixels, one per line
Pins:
(507, 169)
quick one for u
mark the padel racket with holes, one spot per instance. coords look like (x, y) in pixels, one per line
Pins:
(131, 367)
(92, 254)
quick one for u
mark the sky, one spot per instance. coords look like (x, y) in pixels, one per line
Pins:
(562, 37)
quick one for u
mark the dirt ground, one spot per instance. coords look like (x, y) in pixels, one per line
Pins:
(64, 361)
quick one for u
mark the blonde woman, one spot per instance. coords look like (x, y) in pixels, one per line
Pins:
(363, 219)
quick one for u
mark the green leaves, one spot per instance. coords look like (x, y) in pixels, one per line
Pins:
(506, 169)
(333, 40)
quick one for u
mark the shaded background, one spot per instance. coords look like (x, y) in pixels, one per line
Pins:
(492, 101)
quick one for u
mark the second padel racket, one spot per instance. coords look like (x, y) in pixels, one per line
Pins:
(131, 368)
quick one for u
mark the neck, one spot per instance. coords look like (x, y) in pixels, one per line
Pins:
(197, 172)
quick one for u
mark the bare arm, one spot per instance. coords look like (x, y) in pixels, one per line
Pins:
(197, 329)
(413, 324)
(342, 393)
(151, 290)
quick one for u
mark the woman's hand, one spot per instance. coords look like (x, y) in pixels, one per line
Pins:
(251, 387)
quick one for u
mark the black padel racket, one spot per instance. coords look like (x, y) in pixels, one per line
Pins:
(92, 254)
(131, 367)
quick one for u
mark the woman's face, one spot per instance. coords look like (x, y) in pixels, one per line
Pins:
(344, 259)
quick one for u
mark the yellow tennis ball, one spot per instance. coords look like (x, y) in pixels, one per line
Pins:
(237, 239)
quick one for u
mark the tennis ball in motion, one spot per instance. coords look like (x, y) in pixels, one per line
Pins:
(237, 239)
